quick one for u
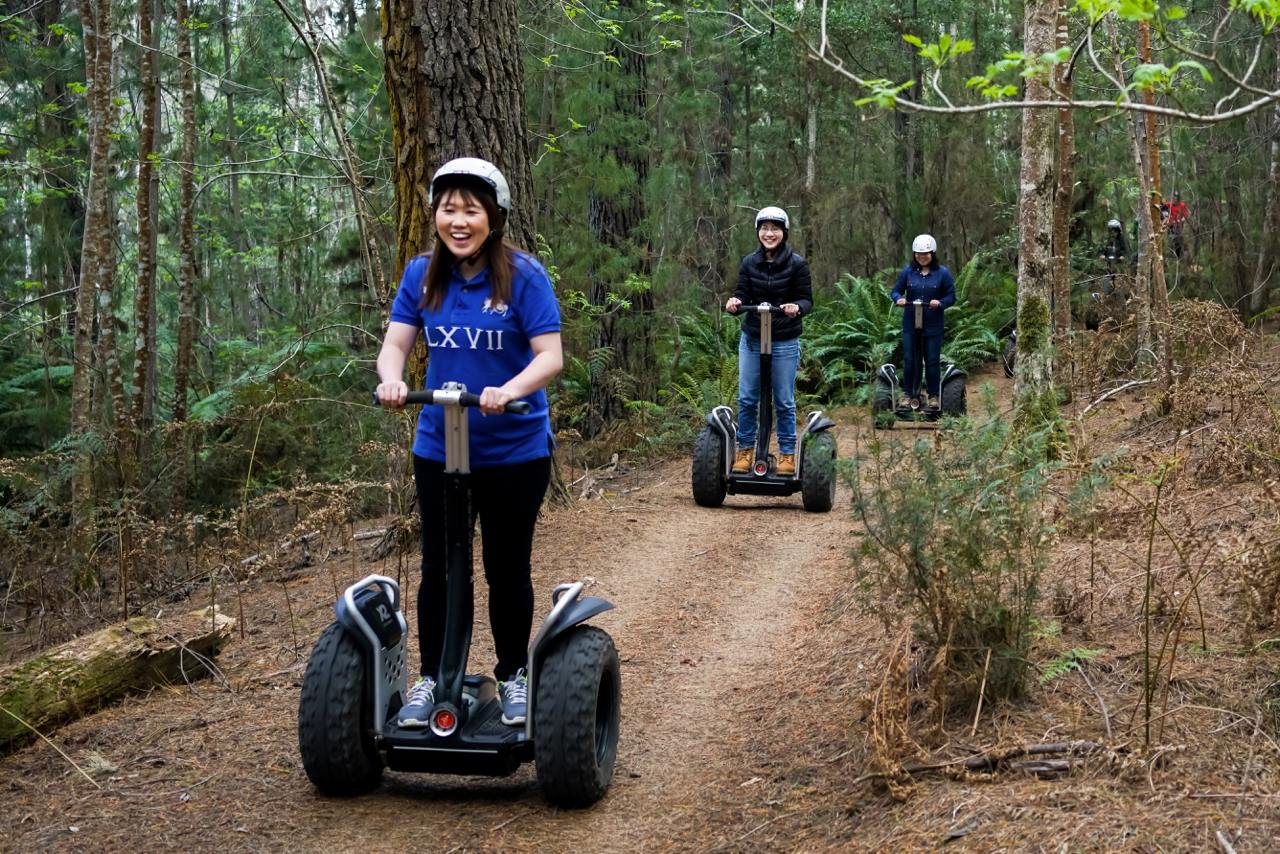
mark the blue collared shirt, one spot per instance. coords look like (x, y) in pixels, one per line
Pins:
(479, 344)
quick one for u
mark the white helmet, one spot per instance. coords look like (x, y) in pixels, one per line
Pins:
(773, 214)
(1115, 223)
(924, 243)
(462, 171)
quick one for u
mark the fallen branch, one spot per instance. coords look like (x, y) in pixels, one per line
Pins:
(992, 758)
(90, 672)
(1113, 391)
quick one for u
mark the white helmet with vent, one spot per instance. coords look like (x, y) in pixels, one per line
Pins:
(773, 214)
(924, 243)
(464, 171)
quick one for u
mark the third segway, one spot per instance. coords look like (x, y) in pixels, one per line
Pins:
(887, 394)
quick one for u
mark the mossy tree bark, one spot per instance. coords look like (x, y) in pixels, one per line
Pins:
(1269, 256)
(1033, 376)
(96, 262)
(1062, 200)
(186, 260)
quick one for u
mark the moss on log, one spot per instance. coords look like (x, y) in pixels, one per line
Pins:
(91, 672)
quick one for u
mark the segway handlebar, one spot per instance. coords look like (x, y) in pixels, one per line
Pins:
(763, 308)
(461, 398)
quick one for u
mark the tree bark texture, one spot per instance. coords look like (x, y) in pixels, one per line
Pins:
(90, 672)
(456, 88)
(1033, 378)
(1269, 254)
(144, 294)
(1145, 225)
(1062, 200)
(1161, 316)
(186, 261)
(96, 257)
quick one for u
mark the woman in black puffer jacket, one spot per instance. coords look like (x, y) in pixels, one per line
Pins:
(778, 276)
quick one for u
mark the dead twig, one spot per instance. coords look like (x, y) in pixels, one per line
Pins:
(51, 744)
(160, 794)
(766, 824)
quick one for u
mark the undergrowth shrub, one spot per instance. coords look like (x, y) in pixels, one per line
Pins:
(956, 536)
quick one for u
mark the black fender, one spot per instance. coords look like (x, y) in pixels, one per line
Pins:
(889, 373)
(568, 611)
(951, 373)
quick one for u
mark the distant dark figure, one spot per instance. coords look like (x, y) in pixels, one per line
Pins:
(1175, 215)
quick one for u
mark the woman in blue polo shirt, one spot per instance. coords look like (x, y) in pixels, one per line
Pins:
(924, 279)
(491, 322)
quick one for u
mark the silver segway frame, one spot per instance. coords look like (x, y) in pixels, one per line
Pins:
(388, 664)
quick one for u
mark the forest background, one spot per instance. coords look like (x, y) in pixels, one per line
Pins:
(204, 210)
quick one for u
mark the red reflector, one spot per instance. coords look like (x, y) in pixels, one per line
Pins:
(445, 721)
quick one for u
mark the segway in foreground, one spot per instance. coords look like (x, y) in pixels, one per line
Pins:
(356, 679)
(886, 406)
(713, 452)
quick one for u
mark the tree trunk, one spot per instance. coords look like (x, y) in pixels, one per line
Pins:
(1062, 200)
(144, 293)
(1144, 244)
(1161, 317)
(96, 260)
(456, 86)
(90, 672)
(186, 260)
(1268, 255)
(1033, 377)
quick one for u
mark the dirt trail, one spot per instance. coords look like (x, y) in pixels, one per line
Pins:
(706, 603)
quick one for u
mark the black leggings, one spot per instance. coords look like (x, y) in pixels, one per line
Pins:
(506, 498)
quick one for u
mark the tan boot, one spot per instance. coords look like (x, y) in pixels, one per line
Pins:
(746, 456)
(787, 464)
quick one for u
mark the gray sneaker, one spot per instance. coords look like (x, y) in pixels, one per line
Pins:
(515, 699)
(422, 700)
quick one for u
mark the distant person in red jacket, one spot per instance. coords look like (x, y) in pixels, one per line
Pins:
(1175, 217)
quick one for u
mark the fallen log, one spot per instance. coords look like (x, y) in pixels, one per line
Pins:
(91, 672)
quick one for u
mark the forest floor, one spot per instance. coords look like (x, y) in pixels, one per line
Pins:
(744, 658)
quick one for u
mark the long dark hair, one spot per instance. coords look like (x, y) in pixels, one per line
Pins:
(933, 263)
(442, 262)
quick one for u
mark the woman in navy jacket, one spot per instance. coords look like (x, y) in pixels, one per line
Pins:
(923, 279)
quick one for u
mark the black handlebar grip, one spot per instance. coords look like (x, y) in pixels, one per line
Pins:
(424, 398)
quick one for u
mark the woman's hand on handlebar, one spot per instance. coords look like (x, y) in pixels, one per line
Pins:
(493, 399)
(933, 303)
(902, 301)
(391, 395)
(732, 304)
(790, 308)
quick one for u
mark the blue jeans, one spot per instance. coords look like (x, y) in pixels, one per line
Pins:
(786, 361)
(932, 364)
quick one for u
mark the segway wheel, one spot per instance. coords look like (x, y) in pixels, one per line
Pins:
(882, 405)
(334, 718)
(818, 486)
(709, 486)
(576, 715)
(953, 397)
(1010, 356)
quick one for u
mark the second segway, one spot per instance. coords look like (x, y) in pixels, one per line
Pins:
(356, 680)
(887, 404)
(713, 452)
